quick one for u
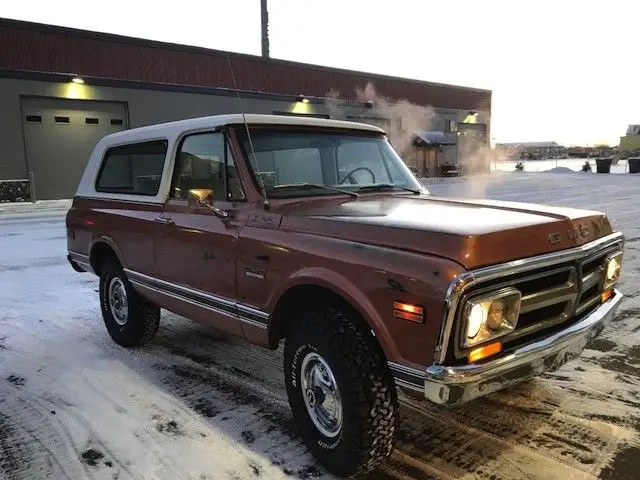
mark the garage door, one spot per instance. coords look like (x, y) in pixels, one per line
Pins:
(59, 136)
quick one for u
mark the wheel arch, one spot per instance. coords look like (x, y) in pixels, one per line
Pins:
(329, 286)
(103, 248)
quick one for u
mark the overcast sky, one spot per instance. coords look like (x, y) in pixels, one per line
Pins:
(563, 70)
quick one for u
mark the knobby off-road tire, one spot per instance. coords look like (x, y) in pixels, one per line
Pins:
(136, 321)
(366, 388)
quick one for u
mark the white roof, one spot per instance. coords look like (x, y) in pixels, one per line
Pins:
(172, 131)
(180, 126)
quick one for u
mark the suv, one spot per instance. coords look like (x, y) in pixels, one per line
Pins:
(315, 232)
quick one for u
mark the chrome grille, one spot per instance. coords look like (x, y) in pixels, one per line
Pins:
(553, 296)
(592, 275)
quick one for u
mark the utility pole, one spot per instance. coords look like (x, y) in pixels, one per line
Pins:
(264, 15)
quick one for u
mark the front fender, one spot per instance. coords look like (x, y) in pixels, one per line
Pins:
(340, 285)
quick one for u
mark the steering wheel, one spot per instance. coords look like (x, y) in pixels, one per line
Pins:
(353, 180)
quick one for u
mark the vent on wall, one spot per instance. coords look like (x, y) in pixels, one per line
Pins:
(34, 118)
(116, 121)
(62, 119)
(91, 121)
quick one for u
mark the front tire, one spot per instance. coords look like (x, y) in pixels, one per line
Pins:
(341, 392)
(130, 320)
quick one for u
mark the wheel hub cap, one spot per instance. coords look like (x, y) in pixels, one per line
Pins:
(118, 301)
(321, 395)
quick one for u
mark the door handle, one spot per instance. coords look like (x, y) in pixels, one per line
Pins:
(164, 220)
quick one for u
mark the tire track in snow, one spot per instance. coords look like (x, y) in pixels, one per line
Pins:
(443, 443)
(30, 444)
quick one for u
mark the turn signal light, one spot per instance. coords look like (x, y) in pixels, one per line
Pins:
(485, 351)
(606, 295)
(407, 311)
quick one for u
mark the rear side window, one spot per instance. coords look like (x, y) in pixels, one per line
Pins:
(133, 169)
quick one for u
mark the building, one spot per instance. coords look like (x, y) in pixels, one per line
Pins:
(630, 143)
(63, 89)
(529, 151)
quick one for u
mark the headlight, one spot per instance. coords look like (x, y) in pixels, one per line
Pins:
(491, 316)
(612, 266)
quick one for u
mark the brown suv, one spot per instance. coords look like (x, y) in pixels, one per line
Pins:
(314, 231)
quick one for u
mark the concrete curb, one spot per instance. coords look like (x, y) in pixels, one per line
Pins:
(43, 207)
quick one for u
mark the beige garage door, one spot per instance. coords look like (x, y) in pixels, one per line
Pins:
(59, 136)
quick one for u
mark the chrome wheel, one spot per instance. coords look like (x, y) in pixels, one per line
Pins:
(118, 301)
(321, 395)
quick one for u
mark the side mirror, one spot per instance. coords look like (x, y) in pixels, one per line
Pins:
(203, 197)
(199, 197)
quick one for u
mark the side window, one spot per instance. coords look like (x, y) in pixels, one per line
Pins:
(200, 164)
(133, 169)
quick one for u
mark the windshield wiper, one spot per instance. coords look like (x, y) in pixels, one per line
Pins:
(386, 186)
(316, 185)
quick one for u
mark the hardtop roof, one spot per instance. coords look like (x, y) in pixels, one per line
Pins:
(214, 121)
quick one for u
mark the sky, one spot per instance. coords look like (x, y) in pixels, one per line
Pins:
(563, 70)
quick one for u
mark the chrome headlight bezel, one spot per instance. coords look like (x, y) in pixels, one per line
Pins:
(612, 257)
(489, 334)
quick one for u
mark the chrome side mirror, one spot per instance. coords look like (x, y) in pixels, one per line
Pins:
(203, 197)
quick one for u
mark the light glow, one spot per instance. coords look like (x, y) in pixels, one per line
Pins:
(480, 353)
(491, 316)
(476, 318)
(613, 268)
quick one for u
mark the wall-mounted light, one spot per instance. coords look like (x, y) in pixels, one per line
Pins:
(302, 99)
(77, 80)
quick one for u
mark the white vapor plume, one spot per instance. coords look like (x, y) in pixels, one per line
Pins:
(404, 118)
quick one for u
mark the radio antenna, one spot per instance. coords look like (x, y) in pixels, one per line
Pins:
(254, 163)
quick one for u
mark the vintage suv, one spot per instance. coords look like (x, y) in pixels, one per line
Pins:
(315, 232)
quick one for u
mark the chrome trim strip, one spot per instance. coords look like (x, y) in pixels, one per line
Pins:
(201, 305)
(407, 377)
(402, 383)
(458, 384)
(253, 311)
(240, 311)
(405, 369)
(79, 255)
(467, 279)
(181, 298)
(198, 293)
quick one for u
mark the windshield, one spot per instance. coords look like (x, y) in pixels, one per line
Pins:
(303, 163)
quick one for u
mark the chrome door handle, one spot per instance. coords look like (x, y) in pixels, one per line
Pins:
(166, 221)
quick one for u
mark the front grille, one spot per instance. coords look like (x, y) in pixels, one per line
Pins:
(552, 298)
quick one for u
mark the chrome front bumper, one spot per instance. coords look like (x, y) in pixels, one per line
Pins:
(455, 385)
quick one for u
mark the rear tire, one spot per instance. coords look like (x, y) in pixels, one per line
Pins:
(130, 320)
(324, 348)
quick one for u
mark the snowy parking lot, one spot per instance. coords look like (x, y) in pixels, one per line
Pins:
(195, 404)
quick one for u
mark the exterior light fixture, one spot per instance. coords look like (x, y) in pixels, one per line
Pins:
(302, 98)
(77, 80)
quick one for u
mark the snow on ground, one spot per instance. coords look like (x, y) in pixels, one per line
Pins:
(198, 405)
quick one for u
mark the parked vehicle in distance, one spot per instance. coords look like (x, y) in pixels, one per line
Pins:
(315, 232)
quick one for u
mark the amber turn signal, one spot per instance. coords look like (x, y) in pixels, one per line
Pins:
(485, 351)
(407, 311)
(606, 295)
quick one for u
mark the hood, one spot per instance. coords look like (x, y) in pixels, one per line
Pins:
(474, 233)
